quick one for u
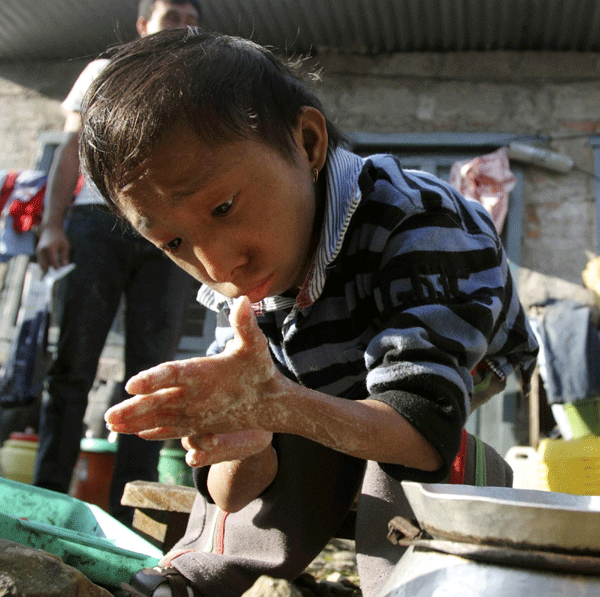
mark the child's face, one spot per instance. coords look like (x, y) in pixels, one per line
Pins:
(238, 217)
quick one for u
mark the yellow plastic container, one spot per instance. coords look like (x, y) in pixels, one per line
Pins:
(571, 466)
(17, 457)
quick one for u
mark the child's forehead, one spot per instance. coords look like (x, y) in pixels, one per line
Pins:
(180, 159)
(181, 164)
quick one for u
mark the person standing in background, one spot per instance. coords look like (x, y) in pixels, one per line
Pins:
(111, 261)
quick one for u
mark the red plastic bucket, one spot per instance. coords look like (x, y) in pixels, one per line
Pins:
(93, 472)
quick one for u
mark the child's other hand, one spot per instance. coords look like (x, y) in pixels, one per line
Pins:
(212, 449)
(236, 390)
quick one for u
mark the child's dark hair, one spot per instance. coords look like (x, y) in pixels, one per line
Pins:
(146, 7)
(223, 87)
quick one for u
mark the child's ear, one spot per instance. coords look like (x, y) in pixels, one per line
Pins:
(141, 26)
(312, 136)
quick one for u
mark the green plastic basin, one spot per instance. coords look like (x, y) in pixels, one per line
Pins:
(82, 534)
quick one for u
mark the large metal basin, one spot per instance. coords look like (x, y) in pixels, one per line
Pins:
(501, 515)
(492, 542)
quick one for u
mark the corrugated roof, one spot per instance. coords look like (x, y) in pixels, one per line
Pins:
(75, 28)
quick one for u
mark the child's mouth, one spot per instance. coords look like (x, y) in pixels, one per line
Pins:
(258, 293)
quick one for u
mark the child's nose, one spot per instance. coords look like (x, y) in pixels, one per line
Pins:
(218, 261)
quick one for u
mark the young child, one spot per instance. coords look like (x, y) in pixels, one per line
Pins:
(355, 299)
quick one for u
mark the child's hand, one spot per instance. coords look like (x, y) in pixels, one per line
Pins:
(212, 449)
(236, 390)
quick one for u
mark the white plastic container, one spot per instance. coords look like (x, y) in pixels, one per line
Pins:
(17, 457)
(526, 467)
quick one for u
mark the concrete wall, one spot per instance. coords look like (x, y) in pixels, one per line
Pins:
(30, 96)
(547, 94)
(552, 95)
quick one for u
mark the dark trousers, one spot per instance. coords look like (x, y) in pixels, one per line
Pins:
(279, 533)
(111, 261)
(282, 531)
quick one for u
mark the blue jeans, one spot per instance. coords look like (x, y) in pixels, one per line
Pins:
(111, 261)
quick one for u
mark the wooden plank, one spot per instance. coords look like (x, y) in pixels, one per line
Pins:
(162, 512)
(161, 529)
(159, 496)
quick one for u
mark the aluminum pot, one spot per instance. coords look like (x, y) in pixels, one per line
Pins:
(432, 574)
(487, 541)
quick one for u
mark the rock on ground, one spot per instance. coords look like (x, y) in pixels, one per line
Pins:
(304, 586)
(337, 561)
(29, 572)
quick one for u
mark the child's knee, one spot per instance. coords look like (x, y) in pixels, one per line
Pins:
(484, 467)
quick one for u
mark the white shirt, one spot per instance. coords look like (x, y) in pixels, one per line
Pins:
(89, 194)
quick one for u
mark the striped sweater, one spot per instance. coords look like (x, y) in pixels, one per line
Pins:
(409, 289)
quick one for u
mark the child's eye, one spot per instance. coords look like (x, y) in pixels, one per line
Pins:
(223, 209)
(173, 245)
